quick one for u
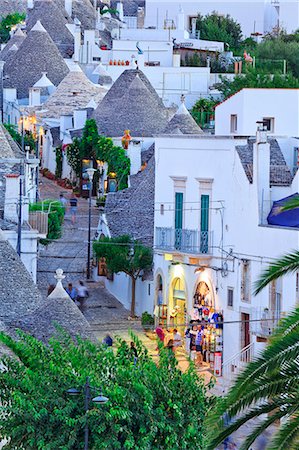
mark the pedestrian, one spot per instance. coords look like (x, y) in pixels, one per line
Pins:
(193, 333)
(134, 352)
(51, 288)
(187, 340)
(107, 340)
(63, 202)
(177, 339)
(198, 346)
(160, 334)
(82, 294)
(74, 207)
(72, 291)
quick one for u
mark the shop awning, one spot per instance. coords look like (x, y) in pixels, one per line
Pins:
(284, 218)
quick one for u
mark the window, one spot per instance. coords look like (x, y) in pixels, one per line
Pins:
(245, 281)
(204, 223)
(268, 123)
(178, 219)
(162, 209)
(275, 290)
(233, 123)
(230, 297)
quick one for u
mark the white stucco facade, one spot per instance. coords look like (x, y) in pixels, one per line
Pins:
(239, 113)
(196, 166)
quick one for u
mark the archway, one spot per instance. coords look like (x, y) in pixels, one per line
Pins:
(177, 313)
(203, 295)
(160, 311)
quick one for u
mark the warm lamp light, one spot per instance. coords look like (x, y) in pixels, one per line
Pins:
(168, 257)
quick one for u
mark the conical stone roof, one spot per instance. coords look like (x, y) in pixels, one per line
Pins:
(182, 123)
(37, 54)
(84, 11)
(131, 103)
(74, 92)
(13, 44)
(54, 21)
(11, 6)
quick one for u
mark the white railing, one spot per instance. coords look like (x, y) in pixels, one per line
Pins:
(183, 240)
(232, 366)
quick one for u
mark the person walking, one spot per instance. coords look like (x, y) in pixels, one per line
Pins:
(82, 294)
(63, 202)
(72, 291)
(74, 207)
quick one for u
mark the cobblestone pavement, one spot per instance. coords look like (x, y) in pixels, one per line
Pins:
(103, 311)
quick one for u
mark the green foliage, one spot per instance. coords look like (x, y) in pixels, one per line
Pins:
(92, 145)
(281, 48)
(55, 217)
(147, 319)
(124, 254)
(151, 406)
(7, 23)
(214, 27)
(267, 385)
(17, 137)
(59, 162)
(252, 79)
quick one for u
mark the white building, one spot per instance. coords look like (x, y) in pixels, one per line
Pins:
(257, 16)
(238, 114)
(212, 240)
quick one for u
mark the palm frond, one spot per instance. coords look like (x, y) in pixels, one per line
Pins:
(288, 263)
(288, 435)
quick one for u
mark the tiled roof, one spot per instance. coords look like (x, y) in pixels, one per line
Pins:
(8, 147)
(182, 123)
(55, 132)
(131, 103)
(37, 54)
(74, 92)
(12, 45)
(131, 211)
(280, 174)
(11, 6)
(130, 6)
(54, 21)
(84, 11)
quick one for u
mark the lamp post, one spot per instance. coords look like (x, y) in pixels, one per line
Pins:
(90, 172)
(100, 399)
(19, 238)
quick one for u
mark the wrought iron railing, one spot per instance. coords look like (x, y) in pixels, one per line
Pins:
(187, 241)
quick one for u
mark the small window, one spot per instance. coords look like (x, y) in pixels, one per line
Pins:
(230, 297)
(233, 123)
(149, 289)
(161, 209)
(268, 123)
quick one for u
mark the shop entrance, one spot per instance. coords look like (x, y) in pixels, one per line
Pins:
(178, 312)
(160, 311)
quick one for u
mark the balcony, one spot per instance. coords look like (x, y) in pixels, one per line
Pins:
(186, 241)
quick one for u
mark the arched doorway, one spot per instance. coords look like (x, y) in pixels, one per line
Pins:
(203, 295)
(160, 311)
(177, 313)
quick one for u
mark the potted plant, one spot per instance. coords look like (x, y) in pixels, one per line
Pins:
(147, 320)
(100, 201)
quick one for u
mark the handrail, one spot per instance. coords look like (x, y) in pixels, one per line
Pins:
(239, 353)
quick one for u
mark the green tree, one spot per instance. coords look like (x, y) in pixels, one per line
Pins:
(7, 23)
(268, 386)
(92, 145)
(280, 48)
(55, 217)
(214, 27)
(124, 254)
(253, 79)
(151, 405)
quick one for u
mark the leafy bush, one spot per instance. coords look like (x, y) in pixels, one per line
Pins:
(28, 136)
(59, 162)
(151, 406)
(55, 217)
(214, 27)
(7, 23)
(147, 319)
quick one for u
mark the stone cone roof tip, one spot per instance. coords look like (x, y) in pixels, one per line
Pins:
(14, 48)
(38, 27)
(182, 123)
(182, 109)
(19, 32)
(43, 81)
(59, 291)
(91, 104)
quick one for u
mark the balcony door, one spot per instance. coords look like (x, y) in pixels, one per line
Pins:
(204, 223)
(178, 219)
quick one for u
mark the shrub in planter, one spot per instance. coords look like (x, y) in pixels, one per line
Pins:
(147, 320)
(55, 217)
(100, 201)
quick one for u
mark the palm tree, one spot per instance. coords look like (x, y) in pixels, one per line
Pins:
(270, 384)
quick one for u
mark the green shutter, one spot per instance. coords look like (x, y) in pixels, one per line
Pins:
(204, 212)
(178, 220)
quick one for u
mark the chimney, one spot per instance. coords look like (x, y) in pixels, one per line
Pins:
(34, 96)
(134, 153)
(120, 9)
(140, 17)
(80, 116)
(181, 20)
(30, 4)
(12, 188)
(66, 123)
(176, 59)
(77, 41)
(261, 172)
(68, 6)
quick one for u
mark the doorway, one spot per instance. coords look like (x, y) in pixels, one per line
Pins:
(245, 330)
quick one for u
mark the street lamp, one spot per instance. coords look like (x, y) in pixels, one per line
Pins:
(100, 399)
(90, 172)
